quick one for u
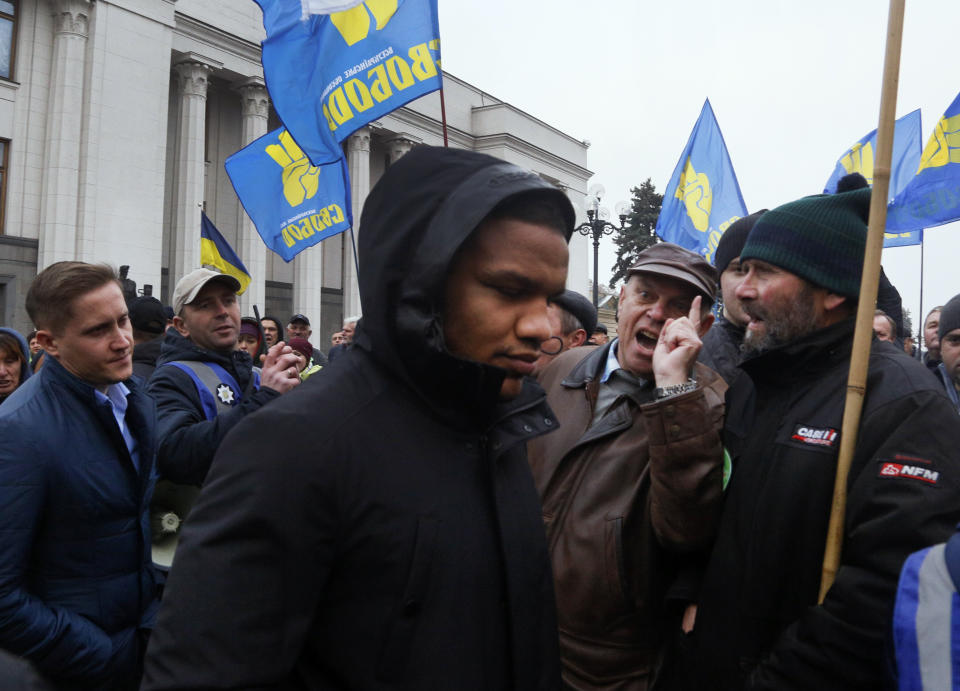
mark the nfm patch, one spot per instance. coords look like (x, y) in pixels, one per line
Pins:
(815, 436)
(911, 468)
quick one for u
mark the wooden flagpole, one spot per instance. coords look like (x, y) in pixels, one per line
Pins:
(856, 383)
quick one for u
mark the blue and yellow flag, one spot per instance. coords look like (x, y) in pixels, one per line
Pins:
(331, 74)
(906, 155)
(293, 204)
(932, 197)
(218, 254)
(703, 197)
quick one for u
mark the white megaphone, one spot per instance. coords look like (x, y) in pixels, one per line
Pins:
(170, 507)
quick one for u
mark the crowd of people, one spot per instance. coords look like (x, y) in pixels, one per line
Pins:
(474, 487)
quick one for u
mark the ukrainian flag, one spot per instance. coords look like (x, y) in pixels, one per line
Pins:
(215, 252)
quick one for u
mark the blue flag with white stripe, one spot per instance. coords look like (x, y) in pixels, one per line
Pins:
(329, 73)
(703, 197)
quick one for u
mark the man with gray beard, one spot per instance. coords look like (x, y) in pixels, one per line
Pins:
(759, 624)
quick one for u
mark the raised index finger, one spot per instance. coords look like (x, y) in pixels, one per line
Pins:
(694, 315)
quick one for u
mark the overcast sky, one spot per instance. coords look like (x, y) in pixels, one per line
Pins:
(793, 85)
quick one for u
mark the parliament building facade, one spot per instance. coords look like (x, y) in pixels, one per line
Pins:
(116, 117)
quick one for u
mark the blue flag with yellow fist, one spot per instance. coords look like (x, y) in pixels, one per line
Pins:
(293, 203)
(906, 155)
(703, 197)
(903, 163)
(932, 197)
(329, 73)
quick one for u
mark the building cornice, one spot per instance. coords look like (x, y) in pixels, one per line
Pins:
(217, 39)
(512, 142)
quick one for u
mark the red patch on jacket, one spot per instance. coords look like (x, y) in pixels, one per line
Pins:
(910, 471)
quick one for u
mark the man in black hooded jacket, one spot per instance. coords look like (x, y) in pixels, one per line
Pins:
(402, 545)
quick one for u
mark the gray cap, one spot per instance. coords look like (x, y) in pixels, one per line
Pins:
(667, 259)
(191, 284)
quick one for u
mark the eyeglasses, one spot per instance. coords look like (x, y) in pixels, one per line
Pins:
(552, 346)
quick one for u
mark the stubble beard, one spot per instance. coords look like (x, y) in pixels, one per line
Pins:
(786, 323)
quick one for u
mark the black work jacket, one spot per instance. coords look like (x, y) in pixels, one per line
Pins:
(758, 624)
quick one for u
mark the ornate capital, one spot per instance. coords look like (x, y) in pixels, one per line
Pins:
(254, 100)
(399, 146)
(193, 78)
(359, 141)
(71, 17)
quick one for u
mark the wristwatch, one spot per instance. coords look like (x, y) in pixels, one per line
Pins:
(676, 389)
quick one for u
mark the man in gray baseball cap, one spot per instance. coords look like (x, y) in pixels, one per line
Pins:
(202, 385)
(633, 477)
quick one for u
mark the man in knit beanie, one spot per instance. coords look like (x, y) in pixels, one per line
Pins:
(721, 345)
(758, 623)
(949, 367)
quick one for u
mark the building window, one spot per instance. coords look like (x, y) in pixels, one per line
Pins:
(4, 152)
(8, 34)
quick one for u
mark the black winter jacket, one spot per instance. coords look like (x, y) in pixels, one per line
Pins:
(721, 350)
(145, 356)
(186, 439)
(399, 545)
(758, 624)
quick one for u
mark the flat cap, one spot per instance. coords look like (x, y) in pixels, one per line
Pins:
(667, 259)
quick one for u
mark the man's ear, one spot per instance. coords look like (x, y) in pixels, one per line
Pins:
(48, 342)
(181, 326)
(706, 321)
(832, 301)
(578, 338)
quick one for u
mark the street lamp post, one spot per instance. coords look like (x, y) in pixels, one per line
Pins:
(598, 225)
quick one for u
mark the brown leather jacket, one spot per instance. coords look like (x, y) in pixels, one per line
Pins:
(622, 501)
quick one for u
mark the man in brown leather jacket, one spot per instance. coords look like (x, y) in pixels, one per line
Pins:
(631, 483)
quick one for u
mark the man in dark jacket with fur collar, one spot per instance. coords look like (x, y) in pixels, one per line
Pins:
(401, 545)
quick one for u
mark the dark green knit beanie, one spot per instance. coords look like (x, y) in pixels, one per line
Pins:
(820, 238)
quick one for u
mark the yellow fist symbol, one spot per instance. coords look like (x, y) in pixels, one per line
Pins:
(859, 160)
(354, 24)
(944, 145)
(300, 179)
(694, 190)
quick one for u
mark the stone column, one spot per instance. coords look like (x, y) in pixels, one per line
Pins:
(308, 290)
(398, 147)
(59, 206)
(189, 169)
(253, 253)
(358, 160)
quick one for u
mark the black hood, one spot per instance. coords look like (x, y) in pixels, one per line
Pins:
(414, 221)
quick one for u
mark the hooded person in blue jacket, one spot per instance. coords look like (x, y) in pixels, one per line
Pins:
(77, 589)
(14, 362)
